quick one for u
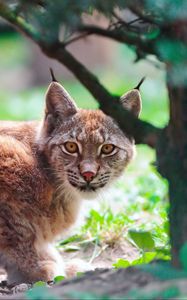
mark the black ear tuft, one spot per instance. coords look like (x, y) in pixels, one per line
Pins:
(52, 75)
(139, 84)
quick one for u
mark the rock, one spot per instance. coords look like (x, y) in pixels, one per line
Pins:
(21, 288)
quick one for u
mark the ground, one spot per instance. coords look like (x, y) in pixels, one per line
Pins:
(107, 284)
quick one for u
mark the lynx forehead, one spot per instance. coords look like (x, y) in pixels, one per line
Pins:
(90, 126)
(46, 168)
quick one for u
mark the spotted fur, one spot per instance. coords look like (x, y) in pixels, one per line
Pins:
(42, 186)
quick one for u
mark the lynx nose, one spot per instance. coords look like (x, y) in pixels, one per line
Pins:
(88, 176)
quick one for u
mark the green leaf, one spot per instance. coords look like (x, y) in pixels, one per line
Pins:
(59, 278)
(87, 241)
(121, 263)
(167, 227)
(149, 256)
(96, 216)
(39, 283)
(183, 256)
(146, 258)
(74, 238)
(71, 248)
(143, 239)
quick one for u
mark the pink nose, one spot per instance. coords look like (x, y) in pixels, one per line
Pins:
(88, 176)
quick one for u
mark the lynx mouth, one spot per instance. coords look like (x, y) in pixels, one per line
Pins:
(83, 188)
(86, 187)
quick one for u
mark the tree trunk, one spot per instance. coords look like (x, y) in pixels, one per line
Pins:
(172, 164)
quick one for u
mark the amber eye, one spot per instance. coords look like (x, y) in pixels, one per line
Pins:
(71, 147)
(107, 148)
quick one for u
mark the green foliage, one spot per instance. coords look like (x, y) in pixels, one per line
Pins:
(69, 13)
(168, 10)
(122, 263)
(39, 284)
(145, 258)
(172, 51)
(71, 248)
(143, 239)
(59, 278)
(74, 238)
(105, 226)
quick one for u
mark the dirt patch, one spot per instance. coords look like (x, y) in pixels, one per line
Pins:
(102, 256)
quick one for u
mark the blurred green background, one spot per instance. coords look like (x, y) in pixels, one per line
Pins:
(22, 89)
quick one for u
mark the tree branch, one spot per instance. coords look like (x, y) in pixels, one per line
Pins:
(75, 38)
(18, 22)
(143, 132)
(122, 36)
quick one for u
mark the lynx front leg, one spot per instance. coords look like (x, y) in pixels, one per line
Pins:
(25, 259)
(33, 265)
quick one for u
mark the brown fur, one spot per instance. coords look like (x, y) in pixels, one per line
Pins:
(41, 186)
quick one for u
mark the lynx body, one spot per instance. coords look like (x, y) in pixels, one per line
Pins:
(46, 169)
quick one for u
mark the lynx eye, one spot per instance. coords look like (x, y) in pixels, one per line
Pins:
(71, 147)
(107, 148)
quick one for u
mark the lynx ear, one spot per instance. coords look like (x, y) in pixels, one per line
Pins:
(132, 100)
(58, 101)
(59, 106)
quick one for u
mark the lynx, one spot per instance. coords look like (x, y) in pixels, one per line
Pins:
(47, 168)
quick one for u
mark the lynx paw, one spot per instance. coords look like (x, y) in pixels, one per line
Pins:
(75, 266)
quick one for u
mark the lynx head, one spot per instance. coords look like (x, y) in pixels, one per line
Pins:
(85, 148)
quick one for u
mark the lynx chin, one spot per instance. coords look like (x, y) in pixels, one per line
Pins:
(47, 168)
